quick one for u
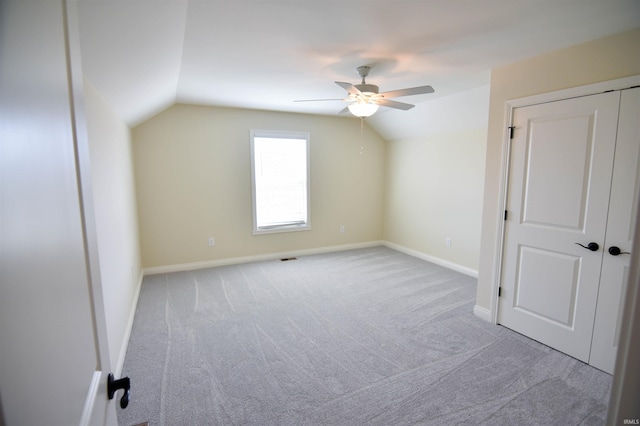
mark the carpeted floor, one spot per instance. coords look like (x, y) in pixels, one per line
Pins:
(362, 337)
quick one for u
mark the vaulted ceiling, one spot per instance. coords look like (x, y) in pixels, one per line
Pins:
(144, 55)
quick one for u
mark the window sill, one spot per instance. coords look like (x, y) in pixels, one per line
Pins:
(280, 229)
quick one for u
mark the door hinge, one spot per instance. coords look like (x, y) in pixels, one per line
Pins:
(511, 129)
(499, 291)
(506, 213)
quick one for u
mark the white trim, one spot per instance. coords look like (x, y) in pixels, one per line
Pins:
(256, 258)
(482, 313)
(500, 222)
(153, 270)
(83, 178)
(124, 345)
(282, 228)
(623, 402)
(276, 134)
(510, 105)
(92, 393)
(438, 261)
(575, 92)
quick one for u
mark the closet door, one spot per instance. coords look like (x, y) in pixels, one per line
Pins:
(559, 183)
(625, 187)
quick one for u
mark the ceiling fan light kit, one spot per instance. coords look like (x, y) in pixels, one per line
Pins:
(365, 98)
(363, 109)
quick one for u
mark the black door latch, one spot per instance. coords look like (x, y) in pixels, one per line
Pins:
(113, 385)
(591, 246)
(615, 251)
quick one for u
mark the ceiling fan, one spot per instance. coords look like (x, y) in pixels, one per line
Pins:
(365, 98)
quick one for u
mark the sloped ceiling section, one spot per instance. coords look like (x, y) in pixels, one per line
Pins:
(144, 55)
(132, 53)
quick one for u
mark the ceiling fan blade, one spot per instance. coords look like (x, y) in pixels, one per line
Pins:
(349, 88)
(318, 100)
(408, 92)
(393, 104)
(344, 110)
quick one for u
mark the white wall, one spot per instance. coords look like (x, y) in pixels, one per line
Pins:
(192, 166)
(116, 218)
(434, 183)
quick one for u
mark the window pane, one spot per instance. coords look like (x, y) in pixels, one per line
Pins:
(280, 173)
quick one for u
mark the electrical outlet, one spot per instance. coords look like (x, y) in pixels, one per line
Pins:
(212, 242)
(447, 242)
(342, 229)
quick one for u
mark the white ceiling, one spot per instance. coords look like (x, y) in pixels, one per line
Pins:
(144, 55)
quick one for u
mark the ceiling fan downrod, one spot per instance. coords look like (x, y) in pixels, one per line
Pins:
(369, 89)
(363, 70)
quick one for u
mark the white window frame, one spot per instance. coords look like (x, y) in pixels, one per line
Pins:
(293, 227)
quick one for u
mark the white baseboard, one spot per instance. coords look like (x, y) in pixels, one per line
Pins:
(438, 261)
(256, 258)
(482, 313)
(478, 311)
(117, 372)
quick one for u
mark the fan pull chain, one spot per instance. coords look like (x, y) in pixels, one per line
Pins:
(361, 135)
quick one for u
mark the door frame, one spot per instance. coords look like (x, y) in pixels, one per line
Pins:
(96, 403)
(509, 107)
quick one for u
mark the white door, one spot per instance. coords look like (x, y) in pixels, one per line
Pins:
(52, 345)
(561, 159)
(625, 188)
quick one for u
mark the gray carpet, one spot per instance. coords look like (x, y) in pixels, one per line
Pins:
(362, 337)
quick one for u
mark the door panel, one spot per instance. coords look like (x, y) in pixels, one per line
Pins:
(557, 143)
(544, 272)
(620, 227)
(560, 173)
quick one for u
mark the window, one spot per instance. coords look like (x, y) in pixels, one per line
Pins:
(280, 181)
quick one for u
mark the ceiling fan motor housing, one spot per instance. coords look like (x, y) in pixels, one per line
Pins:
(367, 88)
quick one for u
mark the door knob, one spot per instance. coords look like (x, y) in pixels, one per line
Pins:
(113, 385)
(591, 246)
(614, 251)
